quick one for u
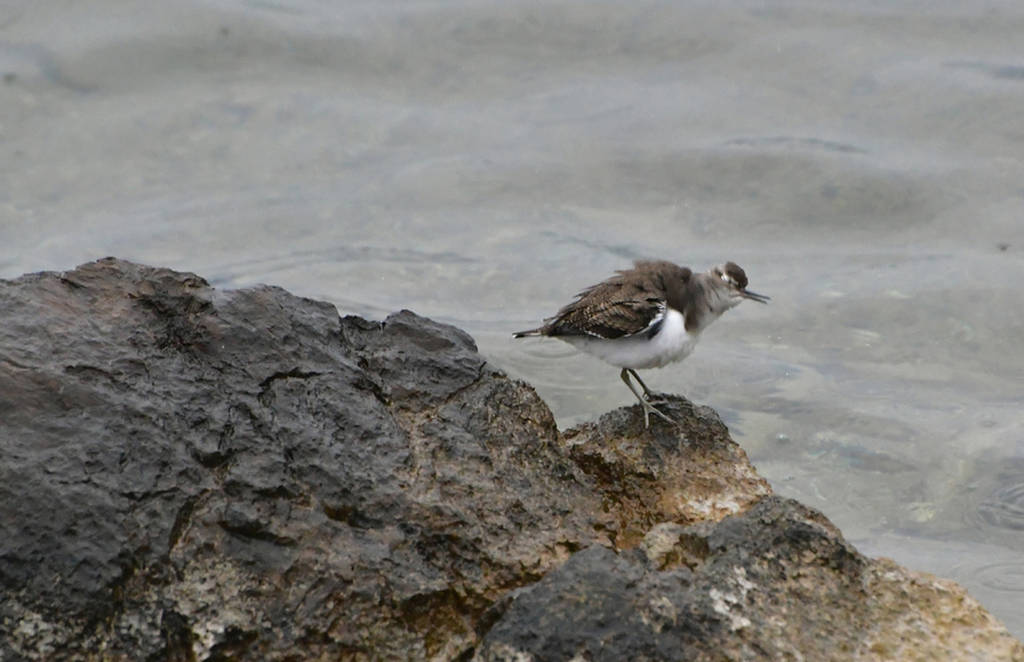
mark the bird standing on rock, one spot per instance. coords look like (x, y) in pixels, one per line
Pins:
(647, 317)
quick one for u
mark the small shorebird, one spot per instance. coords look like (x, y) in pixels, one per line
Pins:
(647, 317)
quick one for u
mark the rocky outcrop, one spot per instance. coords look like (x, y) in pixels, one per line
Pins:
(193, 474)
(777, 582)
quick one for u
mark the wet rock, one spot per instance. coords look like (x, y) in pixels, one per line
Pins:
(776, 582)
(193, 474)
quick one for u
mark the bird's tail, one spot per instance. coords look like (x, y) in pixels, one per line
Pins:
(528, 333)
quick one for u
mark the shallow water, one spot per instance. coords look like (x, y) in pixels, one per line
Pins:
(482, 162)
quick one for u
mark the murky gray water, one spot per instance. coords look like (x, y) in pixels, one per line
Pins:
(481, 162)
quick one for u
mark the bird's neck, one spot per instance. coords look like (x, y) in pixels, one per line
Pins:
(705, 302)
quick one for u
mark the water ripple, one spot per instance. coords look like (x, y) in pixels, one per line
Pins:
(1002, 71)
(1004, 508)
(1005, 576)
(794, 141)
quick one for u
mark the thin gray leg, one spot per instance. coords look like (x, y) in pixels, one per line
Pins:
(647, 406)
(647, 392)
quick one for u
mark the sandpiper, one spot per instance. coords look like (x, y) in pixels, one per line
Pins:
(647, 317)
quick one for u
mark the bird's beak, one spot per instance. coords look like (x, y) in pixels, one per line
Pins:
(754, 296)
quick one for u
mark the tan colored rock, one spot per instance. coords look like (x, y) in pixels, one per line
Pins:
(777, 582)
(952, 627)
(688, 473)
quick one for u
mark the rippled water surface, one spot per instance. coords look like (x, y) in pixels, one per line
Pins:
(481, 162)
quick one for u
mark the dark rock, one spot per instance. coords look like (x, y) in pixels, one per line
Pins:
(725, 602)
(249, 475)
(774, 583)
(190, 474)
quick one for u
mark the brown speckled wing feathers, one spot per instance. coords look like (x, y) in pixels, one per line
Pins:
(625, 304)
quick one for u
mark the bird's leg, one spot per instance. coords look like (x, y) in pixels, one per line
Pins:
(647, 406)
(647, 392)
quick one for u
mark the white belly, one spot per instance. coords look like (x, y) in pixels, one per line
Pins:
(671, 343)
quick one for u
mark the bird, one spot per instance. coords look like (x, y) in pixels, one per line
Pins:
(647, 317)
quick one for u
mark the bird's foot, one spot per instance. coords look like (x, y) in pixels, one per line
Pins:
(647, 400)
(652, 399)
(648, 407)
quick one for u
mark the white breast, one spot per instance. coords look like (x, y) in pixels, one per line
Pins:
(671, 343)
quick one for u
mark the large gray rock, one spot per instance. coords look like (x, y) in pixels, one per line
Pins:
(192, 474)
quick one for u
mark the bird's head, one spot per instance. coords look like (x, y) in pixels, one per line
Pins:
(731, 279)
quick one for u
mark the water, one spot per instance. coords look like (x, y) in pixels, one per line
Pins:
(480, 162)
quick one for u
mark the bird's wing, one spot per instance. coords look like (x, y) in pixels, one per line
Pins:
(633, 301)
(612, 309)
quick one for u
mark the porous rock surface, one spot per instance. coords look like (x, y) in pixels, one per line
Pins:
(194, 474)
